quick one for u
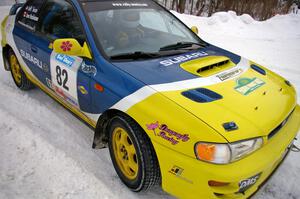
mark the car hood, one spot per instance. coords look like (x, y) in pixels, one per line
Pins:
(219, 87)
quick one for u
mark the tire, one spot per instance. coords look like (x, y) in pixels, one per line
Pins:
(18, 75)
(125, 133)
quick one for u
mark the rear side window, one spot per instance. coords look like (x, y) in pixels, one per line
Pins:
(28, 16)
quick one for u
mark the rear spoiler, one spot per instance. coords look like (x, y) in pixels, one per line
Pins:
(15, 8)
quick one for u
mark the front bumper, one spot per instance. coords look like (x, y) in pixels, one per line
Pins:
(185, 177)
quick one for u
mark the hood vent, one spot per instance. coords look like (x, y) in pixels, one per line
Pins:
(288, 83)
(258, 69)
(220, 64)
(202, 95)
(207, 66)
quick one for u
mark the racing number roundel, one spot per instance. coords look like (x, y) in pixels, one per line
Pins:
(64, 70)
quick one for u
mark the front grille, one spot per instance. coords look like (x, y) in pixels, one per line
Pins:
(275, 131)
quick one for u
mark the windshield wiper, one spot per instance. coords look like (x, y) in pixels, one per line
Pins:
(183, 45)
(136, 55)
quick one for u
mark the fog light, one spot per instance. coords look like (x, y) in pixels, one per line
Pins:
(213, 183)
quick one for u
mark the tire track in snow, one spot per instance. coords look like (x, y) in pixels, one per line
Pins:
(42, 175)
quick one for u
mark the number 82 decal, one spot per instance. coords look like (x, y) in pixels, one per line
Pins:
(62, 77)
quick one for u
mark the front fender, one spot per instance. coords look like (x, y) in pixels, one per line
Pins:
(168, 124)
(174, 133)
(3, 31)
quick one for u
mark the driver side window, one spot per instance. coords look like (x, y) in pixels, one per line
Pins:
(59, 20)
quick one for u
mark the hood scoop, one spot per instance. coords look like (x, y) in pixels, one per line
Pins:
(202, 95)
(207, 66)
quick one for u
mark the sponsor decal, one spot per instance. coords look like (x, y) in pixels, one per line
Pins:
(89, 69)
(65, 59)
(30, 13)
(30, 16)
(247, 85)
(63, 95)
(66, 46)
(31, 9)
(49, 83)
(125, 4)
(163, 131)
(246, 184)
(45, 67)
(60, 92)
(230, 126)
(83, 90)
(31, 59)
(229, 74)
(177, 171)
(182, 58)
(71, 101)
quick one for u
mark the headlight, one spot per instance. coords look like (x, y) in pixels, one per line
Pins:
(226, 153)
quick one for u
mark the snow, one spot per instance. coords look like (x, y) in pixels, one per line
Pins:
(274, 43)
(46, 152)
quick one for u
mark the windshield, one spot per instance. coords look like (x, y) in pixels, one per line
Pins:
(137, 27)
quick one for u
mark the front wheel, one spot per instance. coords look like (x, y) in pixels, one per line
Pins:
(132, 154)
(18, 75)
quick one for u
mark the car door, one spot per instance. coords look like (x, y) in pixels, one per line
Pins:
(36, 62)
(58, 19)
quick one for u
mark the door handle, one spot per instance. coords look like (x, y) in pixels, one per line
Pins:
(34, 49)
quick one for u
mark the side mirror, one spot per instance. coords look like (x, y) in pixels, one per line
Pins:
(70, 46)
(195, 29)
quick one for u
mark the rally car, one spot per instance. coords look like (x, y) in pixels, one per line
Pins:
(173, 109)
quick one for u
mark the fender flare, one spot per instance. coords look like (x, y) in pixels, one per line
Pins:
(101, 132)
(5, 50)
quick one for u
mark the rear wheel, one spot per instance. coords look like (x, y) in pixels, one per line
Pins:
(132, 154)
(17, 73)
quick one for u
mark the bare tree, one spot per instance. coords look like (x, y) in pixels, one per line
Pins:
(258, 9)
(181, 7)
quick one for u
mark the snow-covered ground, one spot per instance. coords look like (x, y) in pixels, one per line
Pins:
(46, 153)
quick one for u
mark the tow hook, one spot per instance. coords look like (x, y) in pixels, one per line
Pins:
(294, 148)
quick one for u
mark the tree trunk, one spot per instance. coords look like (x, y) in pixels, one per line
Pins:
(258, 9)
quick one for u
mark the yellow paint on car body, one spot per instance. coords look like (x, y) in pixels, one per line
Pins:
(186, 117)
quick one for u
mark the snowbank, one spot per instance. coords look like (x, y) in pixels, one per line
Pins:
(274, 43)
(39, 161)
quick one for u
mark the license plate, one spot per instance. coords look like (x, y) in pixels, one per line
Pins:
(246, 184)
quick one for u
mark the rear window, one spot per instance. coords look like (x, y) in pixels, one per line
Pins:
(28, 16)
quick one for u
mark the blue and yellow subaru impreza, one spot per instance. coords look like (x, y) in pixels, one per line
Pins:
(173, 110)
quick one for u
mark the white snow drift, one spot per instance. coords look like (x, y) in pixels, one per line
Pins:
(46, 153)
